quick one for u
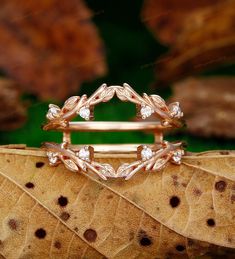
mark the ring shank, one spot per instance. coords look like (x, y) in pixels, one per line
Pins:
(115, 126)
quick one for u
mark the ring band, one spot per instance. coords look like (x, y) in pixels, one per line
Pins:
(149, 157)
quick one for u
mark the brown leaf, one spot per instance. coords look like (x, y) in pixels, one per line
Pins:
(147, 217)
(204, 39)
(208, 105)
(167, 18)
(12, 111)
(49, 47)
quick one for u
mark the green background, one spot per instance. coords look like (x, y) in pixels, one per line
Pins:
(131, 54)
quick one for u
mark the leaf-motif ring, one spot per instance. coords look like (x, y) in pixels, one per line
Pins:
(152, 157)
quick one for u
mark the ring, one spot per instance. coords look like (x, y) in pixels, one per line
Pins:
(149, 157)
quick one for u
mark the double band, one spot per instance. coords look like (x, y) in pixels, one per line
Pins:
(148, 157)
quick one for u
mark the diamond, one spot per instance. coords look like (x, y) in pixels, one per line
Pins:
(146, 153)
(85, 112)
(176, 110)
(177, 156)
(53, 112)
(146, 111)
(84, 153)
(52, 157)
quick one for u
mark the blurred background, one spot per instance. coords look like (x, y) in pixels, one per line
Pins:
(180, 49)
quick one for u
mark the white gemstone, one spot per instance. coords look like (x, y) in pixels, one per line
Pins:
(176, 111)
(53, 158)
(84, 153)
(146, 153)
(146, 111)
(85, 112)
(177, 156)
(53, 112)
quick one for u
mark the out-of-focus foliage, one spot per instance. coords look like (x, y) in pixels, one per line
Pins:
(49, 47)
(200, 36)
(208, 105)
(12, 111)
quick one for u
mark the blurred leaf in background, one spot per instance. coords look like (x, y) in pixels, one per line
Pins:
(130, 49)
(49, 47)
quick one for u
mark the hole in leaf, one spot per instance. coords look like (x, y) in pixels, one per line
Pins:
(40, 164)
(180, 248)
(40, 233)
(174, 201)
(211, 222)
(145, 241)
(29, 185)
(62, 201)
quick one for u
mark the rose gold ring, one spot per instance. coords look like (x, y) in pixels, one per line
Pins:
(149, 156)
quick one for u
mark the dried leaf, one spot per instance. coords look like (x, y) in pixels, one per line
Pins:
(205, 39)
(49, 47)
(208, 105)
(12, 111)
(118, 218)
(167, 18)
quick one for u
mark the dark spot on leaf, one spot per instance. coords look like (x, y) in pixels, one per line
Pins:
(76, 229)
(233, 198)
(174, 201)
(12, 223)
(144, 239)
(8, 160)
(29, 246)
(220, 186)
(175, 178)
(57, 244)
(64, 216)
(190, 242)
(211, 222)
(199, 163)
(110, 196)
(184, 184)
(40, 233)
(197, 192)
(90, 235)
(180, 248)
(40, 164)
(224, 152)
(62, 201)
(29, 185)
